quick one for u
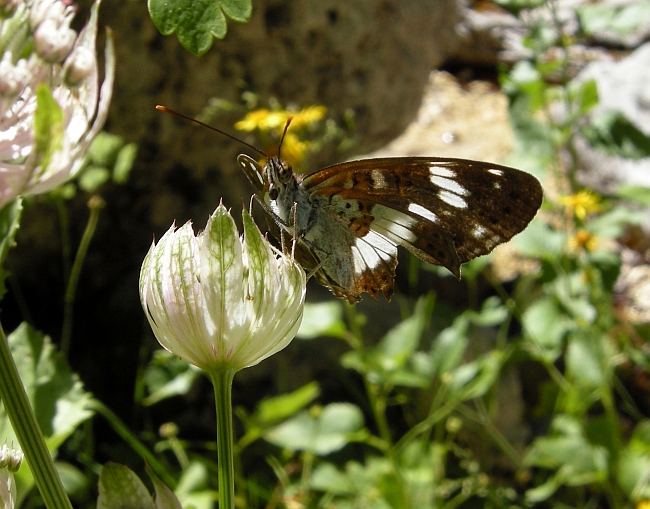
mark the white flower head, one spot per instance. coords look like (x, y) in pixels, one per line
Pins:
(220, 301)
(51, 104)
(10, 461)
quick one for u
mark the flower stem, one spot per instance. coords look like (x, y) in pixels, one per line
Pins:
(95, 204)
(22, 418)
(222, 382)
(129, 437)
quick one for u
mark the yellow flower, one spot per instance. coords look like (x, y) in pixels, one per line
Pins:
(583, 240)
(293, 149)
(583, 203)
(308, 116)
(643, 504)
(267, 120)
(264, 120)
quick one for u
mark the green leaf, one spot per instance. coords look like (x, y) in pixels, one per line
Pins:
(586, 360)
(396, 347)
(93, 177)
(371, 484)
(197, 21)
(518, 5)
(636, 194)
(120, 488)
(322, 434)
(56, 394)
(48, 126)
(280, 407)
(640, 441)
(124, 162)
(74, 480)
(104, 149)
(613, 224)
(10, 216)
(612, 133)
(448, 349)
(539, 240)
(545, 326)
(586, 95)
(193, 488)
(493, 312)
(167, 376)
(633, 473)
(579, 461)
(322, 319)
(625, 19)
(572, 291)
(165, 498)
(474, 379)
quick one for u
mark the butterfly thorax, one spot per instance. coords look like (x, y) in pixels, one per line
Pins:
(286, 192)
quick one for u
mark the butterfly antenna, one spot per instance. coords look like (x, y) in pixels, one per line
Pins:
(185, 117)
(286, 128)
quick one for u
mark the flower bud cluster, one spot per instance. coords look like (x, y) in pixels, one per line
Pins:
(42, 56)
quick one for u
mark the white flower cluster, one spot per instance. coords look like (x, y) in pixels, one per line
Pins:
(51, 104)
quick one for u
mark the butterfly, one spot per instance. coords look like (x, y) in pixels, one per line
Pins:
(349, 218)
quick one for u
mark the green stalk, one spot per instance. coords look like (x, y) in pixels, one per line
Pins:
(95, 204)
(22, 418)
(222, 383)
(125, 433)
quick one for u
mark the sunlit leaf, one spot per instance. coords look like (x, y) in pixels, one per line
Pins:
(322, 319)
(623, 19)
(56, 394)
(196, 22)
(324, 433)
(280, 407)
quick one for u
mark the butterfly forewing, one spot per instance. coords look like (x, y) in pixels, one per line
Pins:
(445, 211)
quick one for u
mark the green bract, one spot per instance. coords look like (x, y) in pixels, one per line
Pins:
(220, 301)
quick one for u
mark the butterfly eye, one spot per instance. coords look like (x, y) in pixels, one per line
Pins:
(285, 172)
(273, 193)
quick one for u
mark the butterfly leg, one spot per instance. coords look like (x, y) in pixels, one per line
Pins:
(284, 227)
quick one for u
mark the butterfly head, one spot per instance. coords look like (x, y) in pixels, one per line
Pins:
(279, 175)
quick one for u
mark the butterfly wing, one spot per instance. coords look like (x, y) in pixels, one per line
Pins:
(445, 211)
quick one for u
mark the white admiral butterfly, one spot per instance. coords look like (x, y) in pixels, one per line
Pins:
(349, 218)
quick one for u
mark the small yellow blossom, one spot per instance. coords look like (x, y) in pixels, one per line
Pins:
(643, 504)
(583, 203)
(308, 116)
(264, 120)
(583, 240)
(293, 149)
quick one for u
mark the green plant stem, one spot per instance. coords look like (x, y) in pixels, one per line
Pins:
(22, 418)
(95, 204)
(123, 431)
(222, 383)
